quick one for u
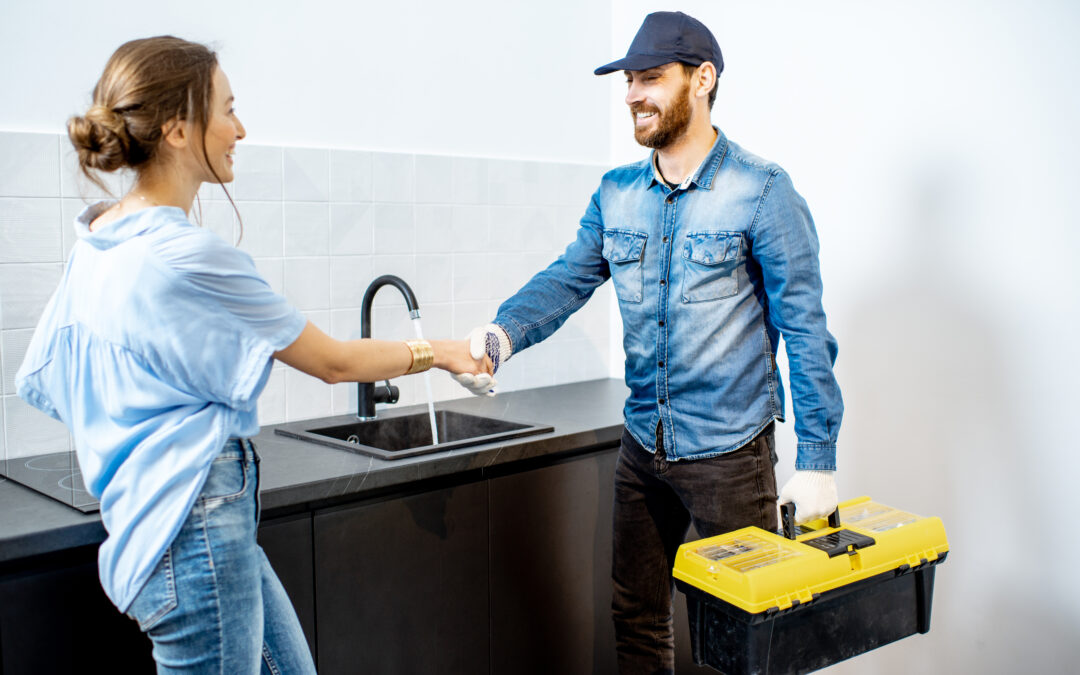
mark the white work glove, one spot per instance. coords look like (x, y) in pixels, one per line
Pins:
(494, 342)
(812, 492)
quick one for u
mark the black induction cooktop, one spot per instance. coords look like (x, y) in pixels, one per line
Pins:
(55, 475)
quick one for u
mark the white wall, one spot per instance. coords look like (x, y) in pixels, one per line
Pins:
(484, 78)
(935, 143)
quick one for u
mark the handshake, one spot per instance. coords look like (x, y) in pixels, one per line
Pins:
(490, 341)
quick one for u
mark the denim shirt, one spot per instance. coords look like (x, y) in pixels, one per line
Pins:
(708, 276)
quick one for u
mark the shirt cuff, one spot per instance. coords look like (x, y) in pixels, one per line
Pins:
(815, 457)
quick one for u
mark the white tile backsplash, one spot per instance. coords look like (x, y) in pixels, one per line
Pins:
(349, 278)
(464, 232)
(13, 344)
(395, 228)
(469, 228)
(351, 229)
(511, 182)
(434, 179)
(261, 229)
(434, 228)
(434, 279)
(470, 180)
(350, 176)
(30, 431)
(30, 230)
(29, 164)
(26, 288)
(218, 217)
(306, 397)
(307, 282)
(307, 228)
(473, 277)
(272, 399)
(69, 211)
(258, 173)
(393, 177)
(306, 175)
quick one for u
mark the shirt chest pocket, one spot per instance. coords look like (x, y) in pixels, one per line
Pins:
(711, 262)
(624, 251)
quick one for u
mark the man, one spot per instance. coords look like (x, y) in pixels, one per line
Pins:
(714, 256)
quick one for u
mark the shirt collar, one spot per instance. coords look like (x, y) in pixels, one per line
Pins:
(706, 171)
(122, 229)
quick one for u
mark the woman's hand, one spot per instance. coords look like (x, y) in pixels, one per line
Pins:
(454, 356)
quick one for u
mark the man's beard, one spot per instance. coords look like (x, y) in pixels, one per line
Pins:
(672, 123)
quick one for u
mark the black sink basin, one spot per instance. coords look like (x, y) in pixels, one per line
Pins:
(408, 435)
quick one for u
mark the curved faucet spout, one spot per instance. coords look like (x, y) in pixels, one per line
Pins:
(366, 394)
(369, 296)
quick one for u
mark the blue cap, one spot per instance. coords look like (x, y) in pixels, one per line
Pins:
(665, 37)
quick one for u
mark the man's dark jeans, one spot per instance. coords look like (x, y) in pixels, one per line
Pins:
(655, 502)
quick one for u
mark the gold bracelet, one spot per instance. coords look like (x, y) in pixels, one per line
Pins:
(422, 356)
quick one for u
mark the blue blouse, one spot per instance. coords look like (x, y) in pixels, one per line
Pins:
(153, 352)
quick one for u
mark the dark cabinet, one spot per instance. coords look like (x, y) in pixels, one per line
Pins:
(287, 543)
(508, 573)
(551, 569)
(55, 618)
(402, 584)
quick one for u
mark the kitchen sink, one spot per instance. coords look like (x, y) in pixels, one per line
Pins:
(396, 436)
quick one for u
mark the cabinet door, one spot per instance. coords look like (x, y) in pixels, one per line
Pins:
(402, 584)
(551, 568)
(287, 543)
(57, 619)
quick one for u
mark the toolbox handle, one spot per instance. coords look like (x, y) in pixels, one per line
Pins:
(787, 518)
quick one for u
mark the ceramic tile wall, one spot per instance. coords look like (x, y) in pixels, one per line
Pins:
(464, 232)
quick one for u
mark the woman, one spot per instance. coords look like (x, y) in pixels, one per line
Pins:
(153, 352)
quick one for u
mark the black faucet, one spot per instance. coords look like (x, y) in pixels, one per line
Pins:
(366, 393)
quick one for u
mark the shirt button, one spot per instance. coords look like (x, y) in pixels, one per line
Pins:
(664, 240)
(663, 282)
(661, 401)
(661, 364)
(661, 322)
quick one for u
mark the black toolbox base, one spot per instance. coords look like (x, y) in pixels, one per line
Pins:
(837, 625)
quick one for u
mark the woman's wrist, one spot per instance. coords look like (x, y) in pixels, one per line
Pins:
(440, 348)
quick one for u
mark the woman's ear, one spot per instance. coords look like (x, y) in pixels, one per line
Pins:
(175, 132)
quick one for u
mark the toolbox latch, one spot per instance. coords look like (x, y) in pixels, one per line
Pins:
(840, 541)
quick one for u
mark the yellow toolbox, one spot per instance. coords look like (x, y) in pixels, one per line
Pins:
(759, 602)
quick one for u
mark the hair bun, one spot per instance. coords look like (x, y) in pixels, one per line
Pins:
(101, 139)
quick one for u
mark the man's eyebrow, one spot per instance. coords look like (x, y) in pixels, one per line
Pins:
(655, 70)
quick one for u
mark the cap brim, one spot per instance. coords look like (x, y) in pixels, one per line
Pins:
(635, 62)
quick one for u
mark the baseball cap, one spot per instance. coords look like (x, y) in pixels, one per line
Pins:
(665, 37)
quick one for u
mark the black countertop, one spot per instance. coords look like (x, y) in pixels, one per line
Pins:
(297, 475)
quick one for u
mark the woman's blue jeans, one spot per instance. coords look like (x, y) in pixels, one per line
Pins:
(213, 604)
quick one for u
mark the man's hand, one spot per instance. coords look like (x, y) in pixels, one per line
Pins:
(812, 492)
(488, 341)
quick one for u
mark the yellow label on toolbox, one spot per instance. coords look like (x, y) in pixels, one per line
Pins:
(757, 570)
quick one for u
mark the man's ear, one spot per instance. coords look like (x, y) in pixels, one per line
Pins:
(704, 79)
(176, 133)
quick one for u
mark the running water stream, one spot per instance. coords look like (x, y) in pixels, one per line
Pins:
(427, 384)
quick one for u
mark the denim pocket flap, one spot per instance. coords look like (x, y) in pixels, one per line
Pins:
(623, 245)
(712, 248)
